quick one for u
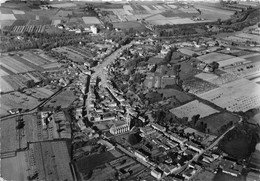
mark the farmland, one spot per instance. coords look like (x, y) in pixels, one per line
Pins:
(214, 57)
(193, 108)
(129, 24)
(239, 95)
(10, 142)
(25, 61)
(198, 86)
(17, 165)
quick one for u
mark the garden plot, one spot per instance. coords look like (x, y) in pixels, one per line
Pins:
(63, 5)
(15, 168)
(206, 76)
(214, 57)
(239, 95)
(193, 108)
(231, 62)
(5, 87)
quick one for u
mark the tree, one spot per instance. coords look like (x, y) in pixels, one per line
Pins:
(134, 139)
(30, 83)
(214, 66)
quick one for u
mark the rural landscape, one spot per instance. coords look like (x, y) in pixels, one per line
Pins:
(130, 90)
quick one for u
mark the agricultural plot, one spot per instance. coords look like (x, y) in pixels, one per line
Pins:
(214, 57)
(231, 62)
(193, 108)
(10, 143)
(213, 13)
(15, 66)
(14, 168)
(239, 95)
(216, 121)
(5, 87)
(198, 86)
(63, 5)
(91, 20)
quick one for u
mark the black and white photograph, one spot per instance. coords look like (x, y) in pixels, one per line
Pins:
(130, 90)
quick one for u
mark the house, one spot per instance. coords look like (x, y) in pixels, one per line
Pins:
(141, 156)
(158, 127)
(147, 130)
(177, 138)
(253, 176)
(194, 146)
(230, 167)
(157, 173)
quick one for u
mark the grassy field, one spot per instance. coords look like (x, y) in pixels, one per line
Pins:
(9, 141)
(16, 100)
(215, 121)
(64, 100)
(214, 57)
(193, 108)
(14, 168)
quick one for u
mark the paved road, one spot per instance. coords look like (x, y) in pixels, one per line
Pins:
(100, 72)
(210, 146)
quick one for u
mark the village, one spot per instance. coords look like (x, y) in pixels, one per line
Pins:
(130, 104)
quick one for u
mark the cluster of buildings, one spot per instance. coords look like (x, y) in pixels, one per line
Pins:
(162, 77)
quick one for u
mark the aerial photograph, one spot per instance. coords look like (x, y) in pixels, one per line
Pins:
(130, 90)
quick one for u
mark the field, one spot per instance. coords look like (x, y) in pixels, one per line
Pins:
(193, 108)
(14, 168)
(10, 142)
(52, 157)
(130, 24)
(213, 13)
(214, 57)
(16, 100)
(215, 121)
(64, 99)
(239, 95)
(18, 81)
(198, 86)
(179, 96)
(91, 20)
(232, 62)
(26, 61)
(63, 5)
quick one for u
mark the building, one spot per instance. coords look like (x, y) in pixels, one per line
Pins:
(121, 126)
(230, 167)
(158, 127)
(157, 173)
(147, 130)
(253, 176)
(94, 29)
(141, 156)
(194, 146)
(177, 138)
